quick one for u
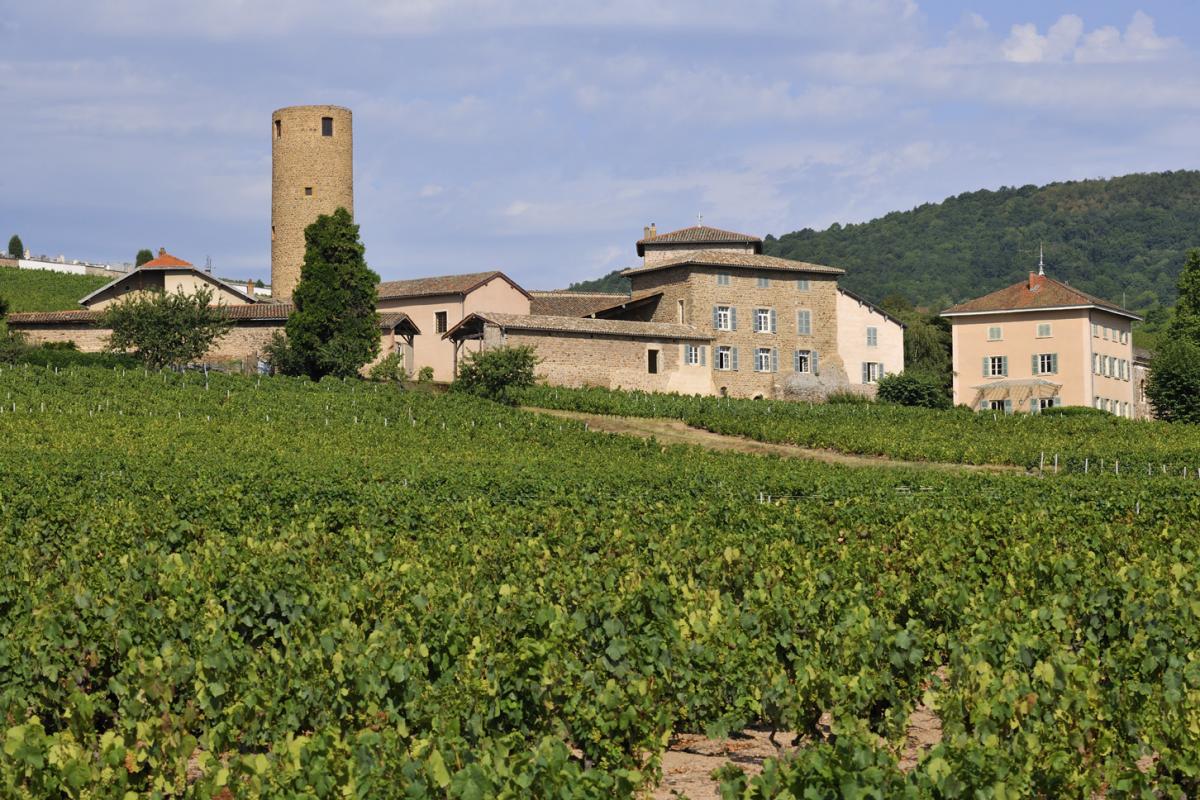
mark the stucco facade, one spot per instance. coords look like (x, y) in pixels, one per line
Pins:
(312, 173)
(140, 281)
(870, 342)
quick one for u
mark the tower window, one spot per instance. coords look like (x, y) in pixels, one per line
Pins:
(308, 191)
(278, 129)
(327, 126)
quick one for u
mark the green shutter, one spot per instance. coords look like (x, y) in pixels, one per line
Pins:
(1057, 401)
(865, 373)
(1054, 363)
(1004, 366)
(774, 357)
(716, 318)
(1008, 406)
(813, 364)
(1033, 406)
(772, 320)
(702, 354)
(733, 359)
(1035, 364)
(795, 361)
(985, 367)
(733, 318)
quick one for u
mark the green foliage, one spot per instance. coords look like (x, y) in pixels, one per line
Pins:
(913, 389)
(164, 328)
(432, 596)
(1173, 386)
(15, 248)
(916, 434)
(613, 282)
(425, 375)
(1185, 318)
(143, 255)
(847, 397)
(335, 328)
(389, 369)
(497, 374)
(45, 290)
(1122, 239)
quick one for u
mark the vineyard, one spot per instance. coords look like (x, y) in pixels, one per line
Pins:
(1080, 440)
(240, 587)
(45, 290)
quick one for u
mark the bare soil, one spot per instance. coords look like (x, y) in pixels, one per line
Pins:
(673, 431)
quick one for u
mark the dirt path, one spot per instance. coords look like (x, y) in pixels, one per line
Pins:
(673, 431)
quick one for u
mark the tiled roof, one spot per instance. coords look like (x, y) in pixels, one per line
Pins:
(165, 261)
(441, 284)
(1046, 293)
(699, 234)
(182, 265)
(572, 304)
(262, 312)
(628, 304)
(598, 327)
(727, 258)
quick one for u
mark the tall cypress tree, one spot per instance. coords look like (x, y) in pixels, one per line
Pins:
(15, 248)
(334, 329)
(143, 256)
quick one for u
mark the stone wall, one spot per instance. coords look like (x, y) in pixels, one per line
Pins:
(697, 287)
(658, 253)
(301, 157)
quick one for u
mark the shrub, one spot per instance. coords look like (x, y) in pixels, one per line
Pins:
(497, 374)
(165, 329)
(1174, 383)
(389, 369)
(848, 397)
(913, 389)
(425, 375)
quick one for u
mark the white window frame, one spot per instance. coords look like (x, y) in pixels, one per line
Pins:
(805, 357)
(1045, 403)
(762, 320)
(995, 366)
(724, 318)
(761, 354)
(692, 359)
(1045, 363)
(1047, 327)
(998, 330)
(873, 371)
(723, 354)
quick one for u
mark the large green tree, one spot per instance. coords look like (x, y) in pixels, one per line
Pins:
(16, 249)
(1174, 383)
(1185, 322)
(143, 256)
(334, 329)
(165, 329)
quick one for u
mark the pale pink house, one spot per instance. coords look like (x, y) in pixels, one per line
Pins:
(1041, 343)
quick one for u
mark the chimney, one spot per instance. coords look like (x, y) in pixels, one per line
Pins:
(162, 251)
(653, 230)
(1036, 281)
(250, 288)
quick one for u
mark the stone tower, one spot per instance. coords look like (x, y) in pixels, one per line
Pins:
(312, 173)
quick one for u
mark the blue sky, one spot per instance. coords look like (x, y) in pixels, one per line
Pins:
(539, 136)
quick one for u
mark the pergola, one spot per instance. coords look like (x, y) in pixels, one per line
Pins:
(1019, 391)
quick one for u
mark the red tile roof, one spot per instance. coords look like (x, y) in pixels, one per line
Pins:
(699, 234)
(564, 303)
(165, 261)
(1037, 292)
(727, 258)
(441, 284)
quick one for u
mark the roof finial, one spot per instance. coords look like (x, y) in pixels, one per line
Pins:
(1041, 261)
(700, 218)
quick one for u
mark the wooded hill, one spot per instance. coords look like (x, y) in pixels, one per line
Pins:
(1123, 239)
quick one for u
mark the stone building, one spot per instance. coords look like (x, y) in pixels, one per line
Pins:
(165, 273)
(312, 173)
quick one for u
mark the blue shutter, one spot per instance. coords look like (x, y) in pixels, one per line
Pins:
(774, 358)
(813, 364)
(1033, 406)
(1057, 401)
(702, 354)
(1008, 406)
(1054, 363)
(1004, 366)
(733, 359)
(865, 373)
(986, 371)
(772, 320)
(1035, 364)
(733, 318)
(716, 319)
(795, 361)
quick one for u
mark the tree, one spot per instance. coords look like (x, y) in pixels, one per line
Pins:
(165, 329)
(927, 348)
(15, 248)
(334, 329)
(497, 373)
(143, 256)
(1185, 323)
(1174, 383)
(913, 389)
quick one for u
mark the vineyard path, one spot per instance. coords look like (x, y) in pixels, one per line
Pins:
(673, 431)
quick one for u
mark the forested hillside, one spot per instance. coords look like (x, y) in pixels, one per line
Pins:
(1121, 238)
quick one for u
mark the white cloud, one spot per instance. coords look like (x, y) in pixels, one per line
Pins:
(431, 190)
(1065, 40)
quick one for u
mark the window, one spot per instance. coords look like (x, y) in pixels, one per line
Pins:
(764, 283)
(765, 360)
(726, 358)
(1045, 364)
(1096, 403)
(1045, 402)
(308, 191)
(1124, 337)
(327, 126)
(272, 233)
(439, 322)
(1095, 330)
(802, 284)
(278, 129)
(1043, 330)
(994, 333)
(1095, 363)
(652, 362)
(1127, 414)
(1103, 331)
(872, 371)
(722, 279)
(872, 337)
(804, 322)
(725, 318)
(764, 320)
(680, 312)
(695, 355)
(995, 366)
(802, 361)
(998, 405)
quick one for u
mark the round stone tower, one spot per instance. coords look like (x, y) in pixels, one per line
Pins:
(312, 173)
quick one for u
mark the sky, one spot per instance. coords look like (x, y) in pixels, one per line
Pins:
(538, 137)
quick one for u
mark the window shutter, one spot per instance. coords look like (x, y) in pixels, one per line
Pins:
(1033, 406)
(1008, 406)
(772, 320)
(702, 355)
(1057, 401)
(733, 359)
(985, 367)
(716, 319)
(774, 357)
(733, 318)
(814, 365)
(795, 361)
(1004, 366)
(1035, 364)
(1054, 363)
(866, 376)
